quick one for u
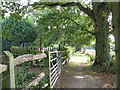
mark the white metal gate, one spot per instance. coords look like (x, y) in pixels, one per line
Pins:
(54, 67)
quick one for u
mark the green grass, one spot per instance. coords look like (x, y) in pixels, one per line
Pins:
(80, 55)
(78, 58)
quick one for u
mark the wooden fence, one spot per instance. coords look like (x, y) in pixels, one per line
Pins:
(7, 69)
(38, 49)
(3, 68)
(9, 62)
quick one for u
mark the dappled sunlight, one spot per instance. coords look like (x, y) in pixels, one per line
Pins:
(79, 58)
(78, 74)
(86, 77)
(79, 77)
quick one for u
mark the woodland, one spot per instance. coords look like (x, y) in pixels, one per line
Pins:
(67, 25)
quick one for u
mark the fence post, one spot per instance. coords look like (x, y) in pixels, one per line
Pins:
(60, 58)
(11, 68)
(5, 75)
(49, 65)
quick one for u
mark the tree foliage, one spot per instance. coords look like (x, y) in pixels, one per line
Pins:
(17, 32)
(66, 26)
(15, 9)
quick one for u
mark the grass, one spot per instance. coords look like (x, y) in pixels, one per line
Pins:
(79, 55)
(79, 58)
(105, 69)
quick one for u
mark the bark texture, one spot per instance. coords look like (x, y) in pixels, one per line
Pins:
(116, 28)
(101, 33)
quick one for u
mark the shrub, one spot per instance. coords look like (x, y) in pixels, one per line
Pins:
(23, 77)
(65, 54)
(71, 50)
(91, 58)
(17, 32)
(21, 51)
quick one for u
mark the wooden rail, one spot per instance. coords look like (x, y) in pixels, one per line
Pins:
(28, 57)
(3, 68)
(37, 80)
(11, 62)
(11, 68)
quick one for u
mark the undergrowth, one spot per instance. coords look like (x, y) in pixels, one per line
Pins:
(104, 69)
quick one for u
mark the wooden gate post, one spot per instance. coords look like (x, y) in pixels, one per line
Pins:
(10, 72)
(5, 75)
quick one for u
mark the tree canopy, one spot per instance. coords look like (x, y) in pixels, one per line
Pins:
(60, 25)
(17, 32)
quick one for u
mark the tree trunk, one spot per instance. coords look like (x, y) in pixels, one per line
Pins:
(102, 48)
(101, 34)
(116, 28)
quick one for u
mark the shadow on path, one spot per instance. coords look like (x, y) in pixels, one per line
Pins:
(75, 75)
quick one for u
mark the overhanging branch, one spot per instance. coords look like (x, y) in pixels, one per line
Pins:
(79, 25)
(37, 5)
(88, 11)
(62, 5)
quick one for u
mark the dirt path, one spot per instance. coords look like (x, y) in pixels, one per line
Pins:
(75, 75)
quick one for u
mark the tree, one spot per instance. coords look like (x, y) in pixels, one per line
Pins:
(116, 23)
(18, 32)
(57, 26)
(100, 24)
(101, 32)
(7, 27)
(15, 9)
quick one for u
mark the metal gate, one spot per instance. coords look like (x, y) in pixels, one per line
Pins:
(54, 67)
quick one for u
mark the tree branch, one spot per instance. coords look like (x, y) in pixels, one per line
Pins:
(88, 11)
(79, 25)
(37, 5)
(62, 5)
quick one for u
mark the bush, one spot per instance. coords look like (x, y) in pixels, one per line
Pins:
(65, 54)
(17, 32)
(91, 59)
(71, 50)
(21, 51)
(23, 77)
